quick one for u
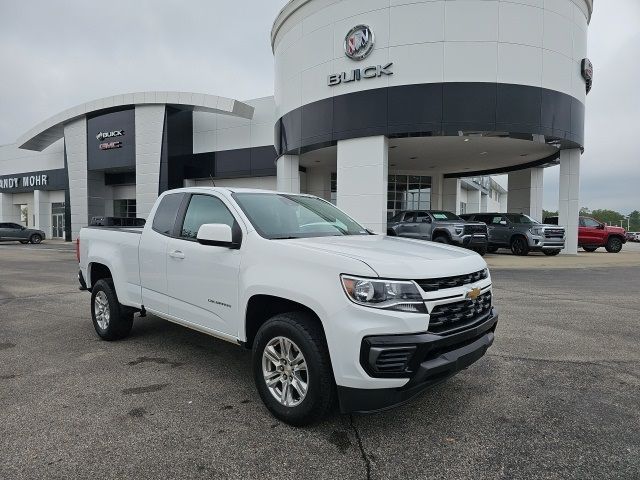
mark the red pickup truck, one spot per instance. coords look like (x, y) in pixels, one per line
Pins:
(592, 235)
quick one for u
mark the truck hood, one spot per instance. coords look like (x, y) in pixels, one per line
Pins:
(613, 229)
(394, 257)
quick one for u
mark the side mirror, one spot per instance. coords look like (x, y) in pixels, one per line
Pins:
(600, 226)
(503, 222)
(217, 235)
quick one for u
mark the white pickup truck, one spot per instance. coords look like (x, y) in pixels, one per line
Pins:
(330, 310)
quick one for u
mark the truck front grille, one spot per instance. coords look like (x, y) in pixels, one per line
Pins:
(475, 229)
(459, 314)
(434, 284)
(554, 233)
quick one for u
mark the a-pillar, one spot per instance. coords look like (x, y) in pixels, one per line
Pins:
(569, 198)
(525, 192)
(363, 172)
(42, 211)
(451, 195)
(288, 174)
(319, 182)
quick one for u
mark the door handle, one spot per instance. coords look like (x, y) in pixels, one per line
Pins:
(177, 254)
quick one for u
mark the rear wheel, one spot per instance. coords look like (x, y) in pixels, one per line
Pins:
(391, 233)
(519, 246)
(590, 249)
(292, 368)
(551, 253)
(111, 320)
(614, 245)
(35, 238)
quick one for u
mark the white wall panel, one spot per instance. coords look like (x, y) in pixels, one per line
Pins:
(558, 33)
(470, 61)
(471, 20)
(556, 71)
(521, 24)
(519, 64)
(416, 23)
(149, 127)
(417, 63)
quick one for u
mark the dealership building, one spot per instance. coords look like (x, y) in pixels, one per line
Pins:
(379, 105)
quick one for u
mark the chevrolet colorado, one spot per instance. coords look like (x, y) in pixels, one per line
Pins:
(330, 310)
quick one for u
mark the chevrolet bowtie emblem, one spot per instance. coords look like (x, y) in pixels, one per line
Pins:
(473, 293)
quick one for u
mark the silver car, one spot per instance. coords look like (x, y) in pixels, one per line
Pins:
(13, 232)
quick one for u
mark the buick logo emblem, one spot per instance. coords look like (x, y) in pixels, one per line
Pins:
(104, 135)
(358, 43)
(587, 72)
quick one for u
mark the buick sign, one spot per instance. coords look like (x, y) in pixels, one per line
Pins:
(358, 43)
(587, 73)
(374, 71)
(104, 135)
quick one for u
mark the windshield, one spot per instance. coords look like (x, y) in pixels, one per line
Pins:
(521, 219)
(445, 216)
(279, 216)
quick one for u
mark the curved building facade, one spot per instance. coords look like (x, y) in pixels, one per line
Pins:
(379, 105)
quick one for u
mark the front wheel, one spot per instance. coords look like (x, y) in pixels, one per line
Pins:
(482, 251)
(292, 368)
(441, 239)
(614, 245)
(35, 238)
(519, 246)
(551, 253)
(111, 320)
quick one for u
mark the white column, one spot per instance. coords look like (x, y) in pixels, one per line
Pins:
(188, 182)
(436, 191)
(8, 211)
(569, 198)
(75, 144)
(319, 182)
(525, 192)
(363, 172)
(42, 211)
(484, 202)
(288, 174)
(451, 195)
(474, 200)
(149, 128)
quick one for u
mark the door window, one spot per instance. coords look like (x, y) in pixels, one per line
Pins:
(589, 222)
(410, 217)
(204, 209)
(165, 218)
(496, 220)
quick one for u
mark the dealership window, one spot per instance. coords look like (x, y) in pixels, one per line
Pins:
(463, 208)
(408, 192)
(334, 188)
(124, 208)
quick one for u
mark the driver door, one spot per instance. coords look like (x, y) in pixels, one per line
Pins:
(202, 280)
(425, 225)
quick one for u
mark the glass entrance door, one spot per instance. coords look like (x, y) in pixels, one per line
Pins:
(57, 225)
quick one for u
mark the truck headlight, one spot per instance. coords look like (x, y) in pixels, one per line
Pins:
(398, 295)
(537, 231)
(459, 229)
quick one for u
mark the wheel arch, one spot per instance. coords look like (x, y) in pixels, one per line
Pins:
(97, 271)
(262, 307)
(440, 232)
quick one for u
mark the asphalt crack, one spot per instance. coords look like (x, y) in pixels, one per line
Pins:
(363, 454)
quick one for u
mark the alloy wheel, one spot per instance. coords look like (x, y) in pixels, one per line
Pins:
(101, 310)
(285, 371)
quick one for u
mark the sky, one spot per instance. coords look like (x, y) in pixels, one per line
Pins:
(58, 54)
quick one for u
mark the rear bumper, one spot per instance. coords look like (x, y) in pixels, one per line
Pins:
(435, 359)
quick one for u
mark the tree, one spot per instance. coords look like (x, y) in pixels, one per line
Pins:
(585, 211)
(610, 217)
(548, 213)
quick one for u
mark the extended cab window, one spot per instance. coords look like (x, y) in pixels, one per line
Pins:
(204, 209)
(166, 213)
(590, 222)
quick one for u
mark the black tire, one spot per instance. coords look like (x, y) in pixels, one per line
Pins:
(24, 242)
(391, 233)
(551, 253)
(482, 251)
(590, 249)
(441, 239)
(35, 238)
(614, 244)
(519, 246)
(491, 249)
(304, 331)
(120, 318)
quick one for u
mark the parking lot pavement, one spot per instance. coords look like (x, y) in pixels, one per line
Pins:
(556, 397)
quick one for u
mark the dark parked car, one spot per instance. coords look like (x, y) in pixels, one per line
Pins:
(13, 232)
(520, 233)
(439, 226)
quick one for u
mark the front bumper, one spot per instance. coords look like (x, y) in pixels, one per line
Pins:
(540, 242)
(471, 241)
(434, 359)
